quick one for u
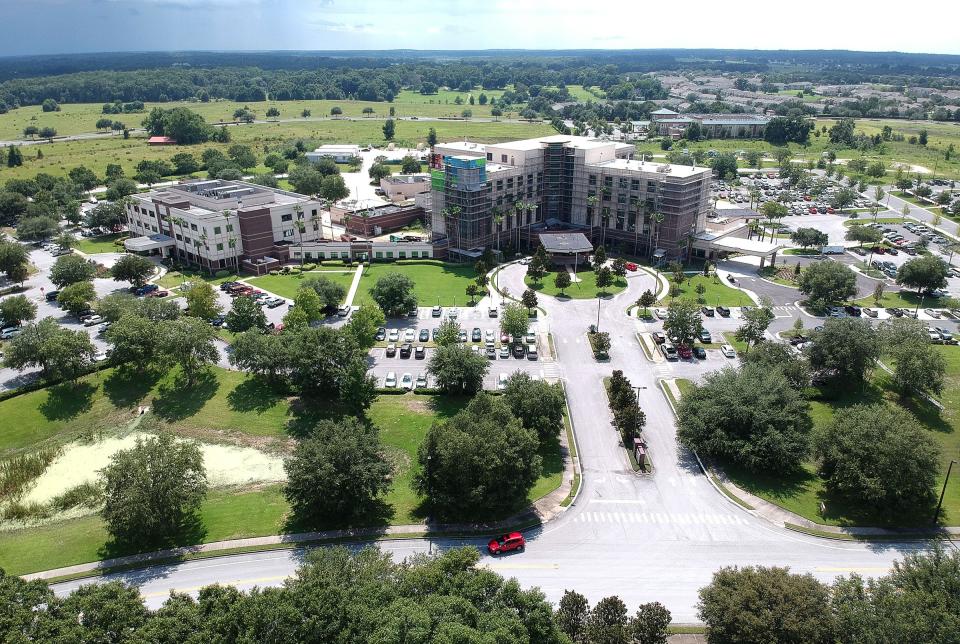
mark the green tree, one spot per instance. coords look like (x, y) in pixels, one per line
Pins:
(184, 163)
(42, 227)
(538, 404)
(13, 206)
(448, 333)
(515, 320)
(771, 356)
(619, 267)
(378, 171)
(561, 280)
(599, 258)
(134, 339)
(754, 605)
(807, 237)
(846, 348)
(572, 614)
(879, 455)
(202, 301)
(334, 188)
(684, 323)
(245, 314)
(306, 180)
(132, 268)
(242, 155)
(863, 234)
(480, 462)
(843, 198)
(76, 297)
(309, 303)
(389, 129)
(917, 366)
(432, 137)
(646, 300)
(152, 489)
(650, 623)
(189, 343)
(70, 269)
(84, 177)
(604, 279)
(825, 283)
(410, 165)
(336, 473)
(755, 324)
(120, 188)
(60, 353)
(750, 416)
(331, 293)
(472, 291)
(529, 300)
(16, 309)
(608, 621)
(14, 156)
(394, 293)
(924, 273)
(364, 323)
(263, 354)
(457, 369)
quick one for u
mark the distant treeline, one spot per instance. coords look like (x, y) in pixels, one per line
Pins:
(379, 76)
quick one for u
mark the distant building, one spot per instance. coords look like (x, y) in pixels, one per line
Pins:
(375, 220)
(713, 126)
(339, 153)
(507, 194)
(399, 187)
(161, 140)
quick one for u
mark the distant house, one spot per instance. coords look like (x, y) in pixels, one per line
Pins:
(339, 153)
(161, 140)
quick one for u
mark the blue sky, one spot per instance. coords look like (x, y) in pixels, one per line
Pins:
(66, 26)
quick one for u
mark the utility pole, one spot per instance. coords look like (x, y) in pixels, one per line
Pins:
(943, 492)
(598, 314)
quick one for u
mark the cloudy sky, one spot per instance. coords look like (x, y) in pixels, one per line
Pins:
(65, 26)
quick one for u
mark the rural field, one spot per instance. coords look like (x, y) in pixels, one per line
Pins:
(244, 428)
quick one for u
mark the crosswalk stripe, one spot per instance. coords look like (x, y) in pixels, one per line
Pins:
(661, 518)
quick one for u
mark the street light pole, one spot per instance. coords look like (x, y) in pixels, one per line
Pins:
(598, 314)
(429, 503)
(917, 310)
(943, 492)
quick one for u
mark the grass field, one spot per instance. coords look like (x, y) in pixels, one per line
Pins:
(584, 289)
(233, 404)
(433, 282)
(103, 244)
(716, 293)
(59, 157)
(803, 491)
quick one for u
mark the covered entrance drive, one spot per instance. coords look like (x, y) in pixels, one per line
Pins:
(157, 244)
(565, 248)
(712, 247)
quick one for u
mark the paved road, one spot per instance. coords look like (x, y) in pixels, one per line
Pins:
(645, 538)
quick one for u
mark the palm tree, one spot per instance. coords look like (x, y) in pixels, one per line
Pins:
(206, 246)
(530, 207)
(592, 203)
(315, 221)
(656, 218)
(640, 211)
(498, 222)
(604, 223)
(453, 212)
(301, 228)
(518, 209)
(232, 245)
(179, 221)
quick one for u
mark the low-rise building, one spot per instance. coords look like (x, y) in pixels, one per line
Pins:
(339, 153)
(219, 224)
(400, 187)
(363, 250)
(376, 219)
(666, 122)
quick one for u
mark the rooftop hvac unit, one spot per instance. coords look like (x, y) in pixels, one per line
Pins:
(664, 169)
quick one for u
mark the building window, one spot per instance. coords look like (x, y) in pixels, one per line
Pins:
(593, 180)
(608, 181)
(229, 228)
(288, 233)
(402, 254)
(499, 184)
(635, 184)
(154, 228)
(287, 217)
(216, 230)
(187, 241)
(219, 246)
(623, 183)
(378, 254)
(193, 226)
(389, 254)
(344, 255)
(313, 213)
(503, 158)
(489, 156)
(510, 183)
(179, 238)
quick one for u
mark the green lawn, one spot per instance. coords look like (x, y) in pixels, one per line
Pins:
(227, 402)
(173, 278)
(730, 338)
(585, 288)
(899, 299)
(803, 491)
(716, 294)
(870, 220)
(102, 244)
(432, 280)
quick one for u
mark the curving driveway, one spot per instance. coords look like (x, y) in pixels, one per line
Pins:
(643, 537)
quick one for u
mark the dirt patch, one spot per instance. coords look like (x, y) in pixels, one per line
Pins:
(398, 459)
(417, 404)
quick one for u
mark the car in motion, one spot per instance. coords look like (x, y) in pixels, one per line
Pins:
(507, 543)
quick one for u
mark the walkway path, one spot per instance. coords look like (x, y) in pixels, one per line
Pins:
(354, 285)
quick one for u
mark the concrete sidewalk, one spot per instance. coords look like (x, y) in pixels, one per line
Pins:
(348, 301)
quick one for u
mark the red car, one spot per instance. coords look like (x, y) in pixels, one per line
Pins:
(631, 266)
(685, 352)
(507, 543)
(812, 210)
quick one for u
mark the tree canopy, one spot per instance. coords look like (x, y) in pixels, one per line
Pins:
(924, 273)
(825, 283)
(846, 348)
(394, 294)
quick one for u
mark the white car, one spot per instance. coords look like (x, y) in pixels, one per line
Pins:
(9, 332)
(406, 381)
(93, 320)
(934, 313)
(409, 335)
(390, 380)
(489, 335)
(728, 351)
(660, 313)
(502, 381)
(394, 335)
(101, 356)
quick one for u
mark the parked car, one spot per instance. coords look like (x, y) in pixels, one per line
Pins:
(700, 353)
(945, 335)
(684, 352)
(532, 352)
(421, 380)
(93, 320)
(853, 311)
(274, 302)
(507, 543)
(934, 313)
(436, 311)
(409, 335)
(390, 380)
(9, 332)
(381, 334)
(660, 313)
(728, 351)
(709, 311)
(476, 335)
(406, 381)
(504, 351)
(519, 350)
(419, 353)
(493, 312)
(491, 351)
(705, 337)
(52, 295)
(343, 311)
(391, 350)
(723, 311)
(424, 335)
(659, 337)
(669, 351)
(406, 349)
(870, 312)
(394, 335)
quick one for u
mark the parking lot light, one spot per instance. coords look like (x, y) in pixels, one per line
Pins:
(943, 491)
